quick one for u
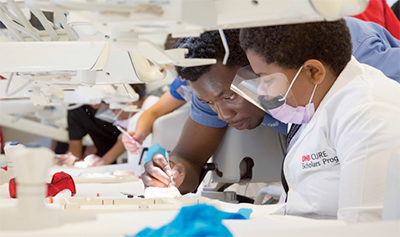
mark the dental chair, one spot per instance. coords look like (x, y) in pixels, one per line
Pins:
(168, 128)
(248, 156)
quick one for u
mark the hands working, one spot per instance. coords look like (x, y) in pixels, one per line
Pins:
(158, 172)
(135, 144)
(67, 159)
(94, 160)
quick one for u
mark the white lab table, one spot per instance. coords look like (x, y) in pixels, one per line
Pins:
(261, 223)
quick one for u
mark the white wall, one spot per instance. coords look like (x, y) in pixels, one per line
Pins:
(391, 2)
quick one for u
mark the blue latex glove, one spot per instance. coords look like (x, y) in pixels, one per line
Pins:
(156, 148)
(197, 220)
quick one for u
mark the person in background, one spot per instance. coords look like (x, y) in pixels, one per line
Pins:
(375, 46)
(169, 101)
(82, 121)
(135, 123)
(378, 11)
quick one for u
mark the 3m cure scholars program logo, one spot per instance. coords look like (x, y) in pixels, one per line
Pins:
(305, 158)
(318, 159)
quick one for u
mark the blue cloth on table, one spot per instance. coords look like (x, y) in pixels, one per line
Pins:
(198, 220)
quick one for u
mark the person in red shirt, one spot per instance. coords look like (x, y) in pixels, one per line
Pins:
(378, 11)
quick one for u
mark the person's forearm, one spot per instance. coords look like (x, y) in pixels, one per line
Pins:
(114, 153)
(75, 147)
(76, 153)
(165, 105)
(196, 145)
(145, 124)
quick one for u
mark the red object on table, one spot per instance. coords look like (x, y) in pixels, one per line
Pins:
(59, 182)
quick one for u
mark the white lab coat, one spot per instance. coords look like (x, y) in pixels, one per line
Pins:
(336, 166)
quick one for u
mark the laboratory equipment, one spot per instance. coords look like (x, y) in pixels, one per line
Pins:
(240, 158)
(104, 178)
(107, 42)
(10, 148)
(34, 127)
(110, 94)
(90, 203)
(59, 182)
(156, 192)
(22, 115)
(66, 193)
(30, 212)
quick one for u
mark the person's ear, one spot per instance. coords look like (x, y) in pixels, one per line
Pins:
(315, 70)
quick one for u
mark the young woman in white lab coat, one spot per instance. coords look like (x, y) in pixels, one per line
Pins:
(349, 115)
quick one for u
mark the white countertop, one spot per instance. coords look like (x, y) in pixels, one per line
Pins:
(261, 222)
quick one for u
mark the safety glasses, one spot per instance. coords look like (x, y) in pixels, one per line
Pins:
(266, 92)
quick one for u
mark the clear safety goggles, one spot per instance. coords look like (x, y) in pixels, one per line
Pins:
(266, 92)
(185, 92)
(107, 114)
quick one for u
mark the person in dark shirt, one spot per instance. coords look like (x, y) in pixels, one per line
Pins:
(82, 121)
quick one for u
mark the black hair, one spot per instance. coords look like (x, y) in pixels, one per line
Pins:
(140, 89)
(209, 45)
(396, 9)
(290, 46)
